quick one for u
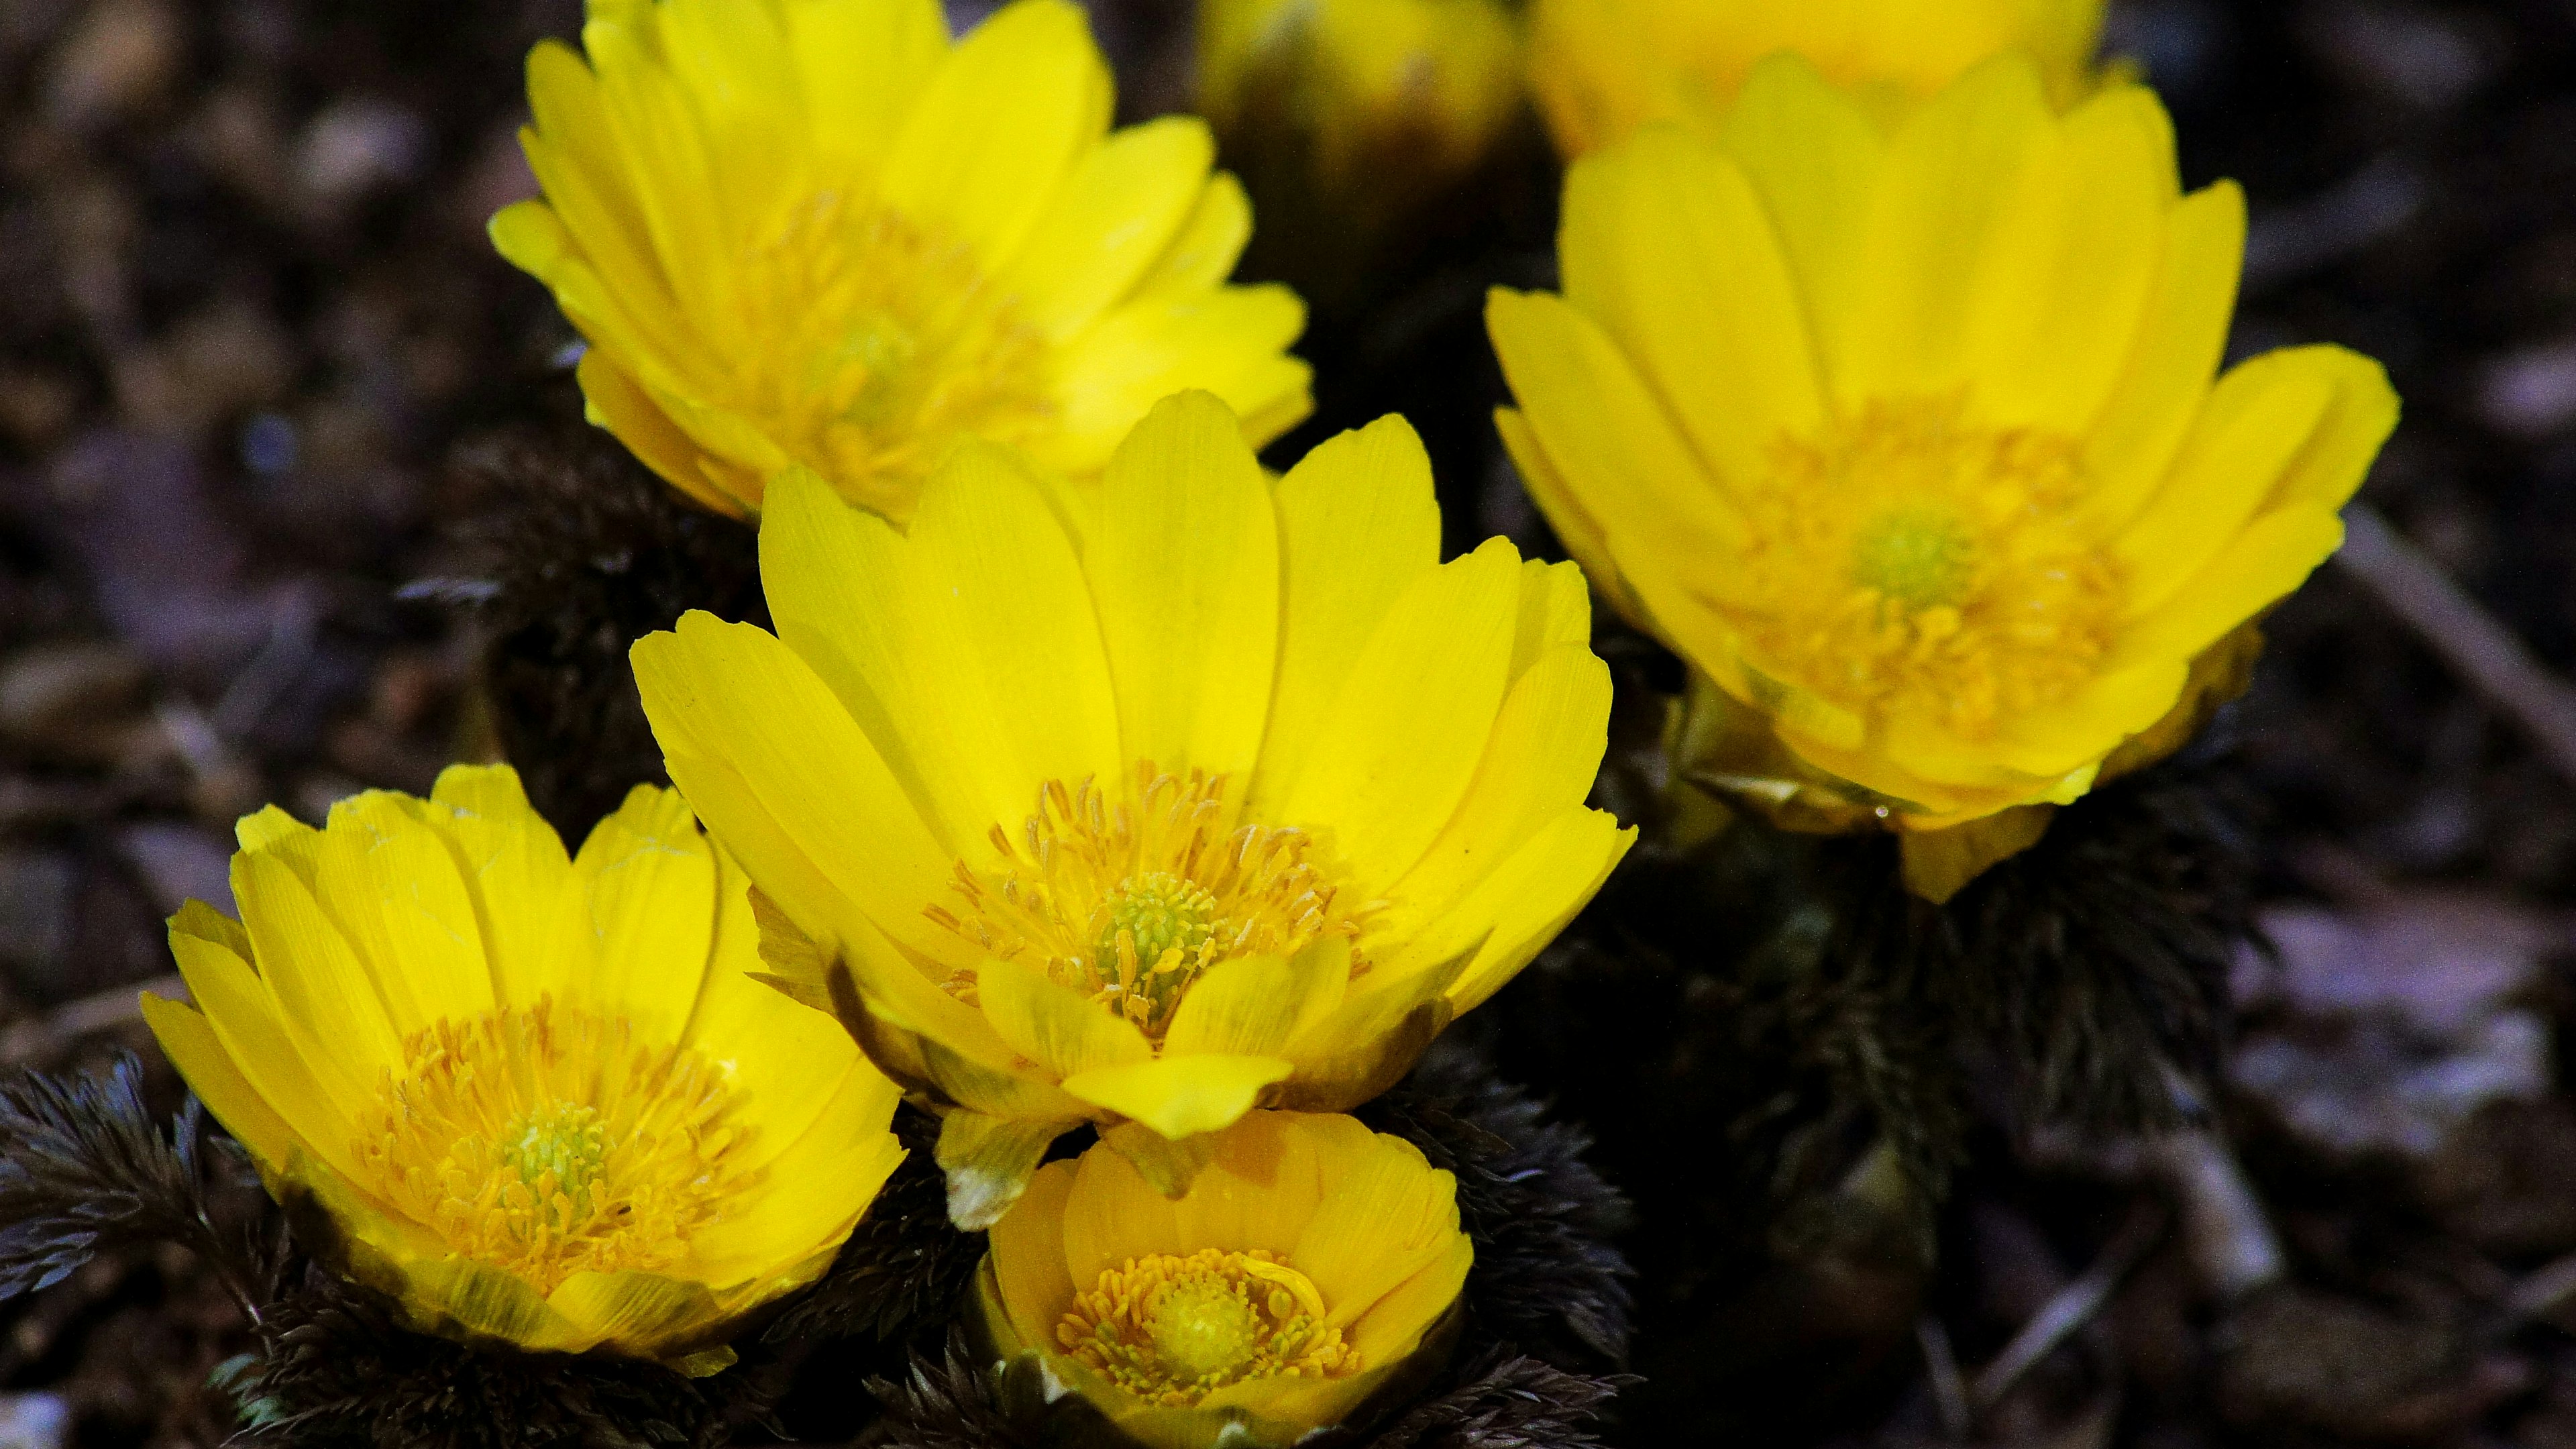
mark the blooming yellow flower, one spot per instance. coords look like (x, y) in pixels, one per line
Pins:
(1377, 94)
(1310, 1266)
(1228, 794)
(1602, 68)
(533, 1098)
(1911, 445)
(812, 232)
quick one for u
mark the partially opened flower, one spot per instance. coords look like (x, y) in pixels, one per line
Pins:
(1602, 68)
(1914, 446)
(815, 233)
(1300, 1283)
(534, 1099)
(1408, 93)
(1230, 795)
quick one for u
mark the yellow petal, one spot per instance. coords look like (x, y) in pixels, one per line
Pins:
(2132, 444)
(1536, 894)
(999, 126)
(2062, 287)
(392, 884)
(637, 945)
(1058, 1028)
(1667, 247)
(1947, 174)
(1116, 216)
(1203, 252)
(1181, 1096)
(200, 1057)
(1227, 342)
(1112, 1215)
(1007, 664)
(864, 64)
(515, 869)
(459, 1293)
(732, 694)
(1251, 1005)
(1814, 158)
(634, 1312)
(1616, 450)
(2260, 417)
(1546, 748)
(1184, 567)
(321, 985)
(622, 406)
(818, 1186)
(1394, 1326)
(1387, 1219)
(2256, 570)
(1357, 524)
(1027, 1258)
(1393, 755)
(1262, 1185)
(321, 1098)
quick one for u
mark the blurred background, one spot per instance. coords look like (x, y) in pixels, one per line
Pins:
(260, 377)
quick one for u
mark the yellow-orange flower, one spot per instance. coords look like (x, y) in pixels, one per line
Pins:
(1309, 1268)
(1226, 794)
(815, 233)
(533, 1098)
(1914, 446)
(1602, 68)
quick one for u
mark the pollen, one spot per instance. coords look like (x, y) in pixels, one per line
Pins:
(1911, 561)
(1171, 1330)
(550, 1142)
(1130, 896)
(873, 346)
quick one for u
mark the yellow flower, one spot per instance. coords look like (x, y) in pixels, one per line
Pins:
(1226, 794)
(813, 233)
(1374, 93)
(1911, 445)
(1602, 68)
(533, 1098)
(1311, 1266)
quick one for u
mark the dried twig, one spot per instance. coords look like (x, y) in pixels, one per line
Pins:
(1949, 1388)
(2072, 1308)
(2487, 655)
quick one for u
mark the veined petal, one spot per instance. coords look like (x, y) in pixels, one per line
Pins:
(1184, 567)
(999, 127)
(1357, 525)
(731, 692)
(1053, 1026)
(1008, 666)
(1116, 217)
(1181, 1096)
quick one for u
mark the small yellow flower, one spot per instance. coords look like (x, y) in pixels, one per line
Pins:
(1228, 793)
(1911, 446)
(535, 1099)
(1602, 68)
(813, 233)
(1309, 1269)
(1376, 95)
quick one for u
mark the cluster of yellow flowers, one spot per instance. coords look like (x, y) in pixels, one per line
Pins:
(1094, 777)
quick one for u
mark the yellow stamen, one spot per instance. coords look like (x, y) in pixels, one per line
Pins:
(1170, 1329)
(1130, 901)
(1910, 559)
(550, 1142)
(876, 347)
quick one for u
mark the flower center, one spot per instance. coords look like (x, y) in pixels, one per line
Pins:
(1131, 899)
(548, 1142)
(874, 347)
(1170, 1330)
(1910, 561)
